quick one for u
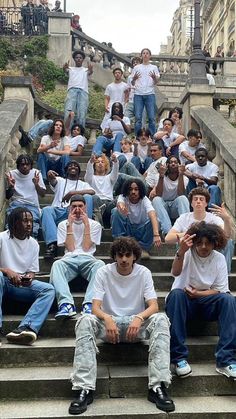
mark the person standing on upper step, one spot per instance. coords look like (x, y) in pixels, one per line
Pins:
(200, 290)
(144, 78)
(117, 91)
(80, 235)
(125, 309)
(64, 189)
(19, 261)
(77, 90)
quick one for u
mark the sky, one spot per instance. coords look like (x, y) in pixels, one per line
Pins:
(129, 24)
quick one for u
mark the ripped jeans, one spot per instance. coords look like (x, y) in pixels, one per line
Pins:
(89, 327)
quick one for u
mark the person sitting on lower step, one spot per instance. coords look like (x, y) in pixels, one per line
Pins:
(124, 309)
(19, 261)
(201, 290)
(79, 235)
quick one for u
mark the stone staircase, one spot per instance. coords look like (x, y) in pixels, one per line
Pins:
(34, 380)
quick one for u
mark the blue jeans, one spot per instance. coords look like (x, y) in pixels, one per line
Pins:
(149, 103)
(39, 293)
(214, 191)
(68, 268)
(33, 209)
(76, 101)
(167, 210)
(89, 327)
(228, 252)
(219, 307)
(135, 161)
(40, 128)
(44, 164)
(121, 226)
(107, 143)
(52, 216)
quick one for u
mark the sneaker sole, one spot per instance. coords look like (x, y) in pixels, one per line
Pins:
(184, 375)
(160, 406)
(78, 411)
(65, 316)
(225, 374)
(23, 339)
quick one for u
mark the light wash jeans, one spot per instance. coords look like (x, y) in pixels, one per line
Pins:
(34, 210)
(44, 164)
(214, 191)
(109, 144)
(121, 226)
(68, 268)
(166, 210)
(129, 112)
(52, 216)
(76, 101)
(89, 327)
(40, 128)
(149, 103)
(39, 293)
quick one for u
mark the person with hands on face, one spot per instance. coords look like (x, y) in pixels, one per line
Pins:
(64, 189)
(124, 309)
(200, 290)
(80, 235)
(19, 254)
(24, 185)
(168, 194)
(135, 216)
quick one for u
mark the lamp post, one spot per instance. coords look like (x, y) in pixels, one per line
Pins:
(197, 61)
(65, 6)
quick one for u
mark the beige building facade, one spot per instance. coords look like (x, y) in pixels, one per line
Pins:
(182, 28)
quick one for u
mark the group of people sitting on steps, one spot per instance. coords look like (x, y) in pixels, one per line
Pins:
(159, 187)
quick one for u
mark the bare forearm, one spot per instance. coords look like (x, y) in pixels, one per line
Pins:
(159, 187)
(181, 187)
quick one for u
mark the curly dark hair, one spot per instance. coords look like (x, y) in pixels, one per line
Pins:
(82, 130)
(127, 184)
(14, 218)
(24, 158)
(199, 191)
(80, 52)
(212, 232)
(123, 245)
(52, 128)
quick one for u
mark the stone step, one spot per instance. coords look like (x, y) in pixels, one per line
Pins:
(60, 351)
(112, 381)
(214, 407)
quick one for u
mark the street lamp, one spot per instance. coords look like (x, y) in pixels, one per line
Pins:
(65, 6)
(197, 61)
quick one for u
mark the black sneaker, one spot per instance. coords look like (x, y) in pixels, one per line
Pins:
(79, 404)
(161, 399)
(51, 251)
(22, 336)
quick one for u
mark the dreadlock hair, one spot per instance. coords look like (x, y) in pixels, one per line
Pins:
(120, 113)
(123, 245)
(212, 232)
(24, 158)
(14, 218)
(168, 162)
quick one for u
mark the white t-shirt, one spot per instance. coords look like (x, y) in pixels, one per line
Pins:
(138, 213)
(169, 139)
(123, 295)
(185, 147)
(63, 186)
(160, 127)
(78, 78)
(203, 273)
(24, 189)
(208, 171)
(142, 151)
(19, 255)
(151, 179)
(46, 140)
(78, 230)
(103, 185)
(184, 221)
(74, 142)
(116, 126)
(144, 85)
(116, 92)
(170, 187)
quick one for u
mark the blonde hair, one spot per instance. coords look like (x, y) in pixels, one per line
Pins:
(105, 160)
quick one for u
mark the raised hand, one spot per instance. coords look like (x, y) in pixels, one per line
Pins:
(10, 180)
(35, 179)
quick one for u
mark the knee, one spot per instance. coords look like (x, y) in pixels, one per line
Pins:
(84, 325)
(161, 321)
(47, 210)
(176, 295)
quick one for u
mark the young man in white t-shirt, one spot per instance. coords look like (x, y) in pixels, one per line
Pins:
(200, 290)
(19, 261)
(199, 199)
(80, 235)
(24, 186)
(124, 309)
(168, 139)
(188, 148)
(77, 91)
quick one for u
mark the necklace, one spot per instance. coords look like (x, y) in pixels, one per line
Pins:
(203, 262)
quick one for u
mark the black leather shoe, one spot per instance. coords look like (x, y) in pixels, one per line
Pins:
(51, 251)
(79, 405)
(161, 399)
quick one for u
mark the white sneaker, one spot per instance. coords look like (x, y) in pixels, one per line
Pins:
(229, 371)
(183, 369)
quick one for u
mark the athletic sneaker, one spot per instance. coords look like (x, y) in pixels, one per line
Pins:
(229, 371)
(66, 311)
(87, 308)
(183, 369)
(22, 336)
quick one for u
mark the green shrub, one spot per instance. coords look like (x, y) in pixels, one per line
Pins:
(36, 46)
(46, 71)
(6, 53)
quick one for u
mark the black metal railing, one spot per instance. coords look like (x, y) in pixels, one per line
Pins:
(23, 20)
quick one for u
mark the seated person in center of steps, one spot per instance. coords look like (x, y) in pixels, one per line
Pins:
(168, 140)
(64, 189)
(142, 146)
(75, 135)
(117, 127)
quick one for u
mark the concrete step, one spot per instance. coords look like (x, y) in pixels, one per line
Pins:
(60, 351)
(213, 407)
(112, 381)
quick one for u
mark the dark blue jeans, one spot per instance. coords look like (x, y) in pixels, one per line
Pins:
(219, 307)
